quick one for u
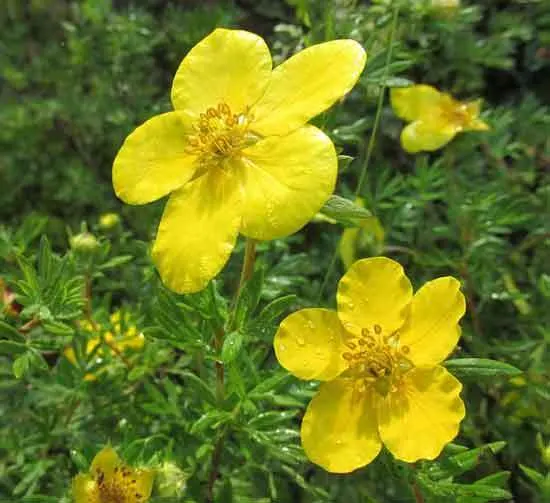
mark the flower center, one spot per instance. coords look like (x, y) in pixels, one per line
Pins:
(375, 360)
(220, 134)
(120, 488)
(455, 113)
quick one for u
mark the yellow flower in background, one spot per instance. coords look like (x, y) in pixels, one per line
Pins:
(435, 117)
(379, 359)
(111, 481)
(236, 154)
(121, 335)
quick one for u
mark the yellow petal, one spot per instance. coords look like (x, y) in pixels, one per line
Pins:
(431, 330)
(339, 430)
(422, 135)
(85, 489)
(309, 344)
(419, 419)
(144, 483)
(105, 462)
(374, 294)
(477, 125)
(70, 354)
(307, 84)
(198, 231)
(227, 66)
(412, 103)
(287, 180)
(153, 160)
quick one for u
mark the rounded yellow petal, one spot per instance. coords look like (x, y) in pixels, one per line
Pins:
(419, 419)
(227, 66)
(287, 181)
(427, 136)
(153, 160)
(198, 231)
(348, 246)
(144, 483)
(412, 103)
(431, 330)
(339, 429)
(105, 461)
(309, 344)
(85, 489)
(374, 294)
(307, 84)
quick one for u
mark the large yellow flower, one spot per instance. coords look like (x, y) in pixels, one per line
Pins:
(379, 358)
(435, 117)
(236, 154)
(110, 481)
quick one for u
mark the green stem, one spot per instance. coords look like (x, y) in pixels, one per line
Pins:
(248, 264)
(381, 96)
(246, 273)
(372, 139)
(417, 493)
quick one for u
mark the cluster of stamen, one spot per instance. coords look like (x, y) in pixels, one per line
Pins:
(119, 488)
(219, 134)
(376, 360)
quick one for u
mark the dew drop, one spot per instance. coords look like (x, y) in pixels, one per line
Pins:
(282, 347)
(300, 341)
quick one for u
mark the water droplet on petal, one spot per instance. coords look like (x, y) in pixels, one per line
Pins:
(300, 341)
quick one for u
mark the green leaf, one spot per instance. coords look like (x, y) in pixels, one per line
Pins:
(249, 298)
(58, 328)
(479, 368)
(232, 345)
(21, 365)
(345, 212)
(12, 348)
(10, 332)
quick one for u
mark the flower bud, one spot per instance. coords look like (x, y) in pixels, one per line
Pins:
(109, 221)
(446, 4)
(85, 242)
(171, 480)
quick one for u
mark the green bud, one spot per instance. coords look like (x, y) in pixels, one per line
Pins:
(85, 242)
(171, 480)
(108, 221)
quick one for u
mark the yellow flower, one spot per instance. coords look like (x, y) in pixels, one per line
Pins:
(435, 118)
(110, 481)
(236, 154)
(119, 339)
(379, 357)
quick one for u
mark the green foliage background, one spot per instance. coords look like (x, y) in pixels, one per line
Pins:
(77, 76)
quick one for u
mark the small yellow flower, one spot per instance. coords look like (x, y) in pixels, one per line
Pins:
(379, 357)
(236, 154)
(111, 481)
(435, 117)
(123, 336)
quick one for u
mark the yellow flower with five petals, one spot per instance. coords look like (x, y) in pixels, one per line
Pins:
(435, 117)
(379, 359)
(236, 154)
(111, 481)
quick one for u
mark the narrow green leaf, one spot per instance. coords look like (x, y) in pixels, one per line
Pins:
(232, 345)
(478, 368)
(344, 211)
(12, 348)
(6, 330)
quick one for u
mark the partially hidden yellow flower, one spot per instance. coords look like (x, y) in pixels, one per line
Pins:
(236, 154)
(122, 335)
(111, 481)
(435, 117)
(379, 359)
